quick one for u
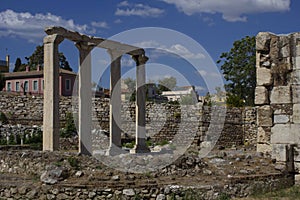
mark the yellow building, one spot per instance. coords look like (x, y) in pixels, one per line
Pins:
(4, 65)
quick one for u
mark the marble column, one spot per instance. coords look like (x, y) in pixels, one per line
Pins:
(85, 98)
(140, 146)
(115, 103)
(51, 93)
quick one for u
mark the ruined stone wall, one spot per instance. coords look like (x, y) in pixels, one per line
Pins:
(163, 121)
(277, 95)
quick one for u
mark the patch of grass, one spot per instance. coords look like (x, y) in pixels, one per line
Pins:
(129, 145)
(74, 162)
(163, 142)
(224, 196)
(289, 194)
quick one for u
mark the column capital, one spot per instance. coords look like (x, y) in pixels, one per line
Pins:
(114, 53)
(140, 59)
(55, 38)
(84, 46)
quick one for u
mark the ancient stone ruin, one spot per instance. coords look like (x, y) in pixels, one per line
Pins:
(277, 97)
(85, 44)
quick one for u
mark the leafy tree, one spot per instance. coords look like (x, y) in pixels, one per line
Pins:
(167, 84)
(238, 66)
(64, 64)
(187, 100)
(37, 58)
(18, 64)
(2, 82)
(207, 100)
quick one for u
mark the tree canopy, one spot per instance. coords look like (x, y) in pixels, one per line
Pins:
(238, 66)
(167, 84)
(37, 58)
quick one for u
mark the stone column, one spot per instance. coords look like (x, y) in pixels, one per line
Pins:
(51, 93)
(115, 103)
(85, 98)
(140, 146)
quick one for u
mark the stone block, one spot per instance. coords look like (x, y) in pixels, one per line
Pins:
(263, 77)
(264, 116)
(263, 41)
(285, 134)
(297, 153)
(285, 51)
(295, 76)
(280, 152)
(281, 119)
(297, 167)
(297, 179)
(263, 135)
(261, 95)
(264, 148)
(280, 95)
(296, 113)
(296, 93)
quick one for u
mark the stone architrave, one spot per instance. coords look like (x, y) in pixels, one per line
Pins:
(85, 98)
(51, 93)
(281, 95)
(261, 95)
(115, 103)
(263, 77)
(140, 146)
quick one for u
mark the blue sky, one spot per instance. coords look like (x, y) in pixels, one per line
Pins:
(214, 24)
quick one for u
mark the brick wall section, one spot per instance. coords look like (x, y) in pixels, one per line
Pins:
(164, 121)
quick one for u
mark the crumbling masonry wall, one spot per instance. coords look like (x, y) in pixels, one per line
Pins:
(277, 96)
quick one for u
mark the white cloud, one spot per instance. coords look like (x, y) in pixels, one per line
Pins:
(118, 21)
(100, 24)
(142, 10)
(31, 26)
(211, 74)
(231, 10)
(177, 49)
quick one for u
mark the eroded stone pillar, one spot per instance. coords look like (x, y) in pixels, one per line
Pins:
(140, 146)
(115, 103)
(51, 93)
(85, 98)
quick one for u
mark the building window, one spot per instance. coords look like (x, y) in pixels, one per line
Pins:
(9, 86)
(43, 84)
(35, 85)
(17, 86)
(26, 86)
(68, 84)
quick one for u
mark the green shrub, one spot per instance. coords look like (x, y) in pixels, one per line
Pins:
(3, 118)
(73, 162)
(69, 129)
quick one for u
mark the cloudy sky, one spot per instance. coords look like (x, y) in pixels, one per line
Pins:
(214, 24)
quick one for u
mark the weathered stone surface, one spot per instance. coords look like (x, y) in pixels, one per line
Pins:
(281, 119)
(285, 134)
(296, 93)
(295, 76)
(297, 167)
(297, 179)
(297, 153)
(296, 113)
(128, 192)
(263, 136)
(280, 152)
(263, 77)
(263, 41)
(264, 148)
(54, 174)
(261, 95)
(280, 95)
(264, 116)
